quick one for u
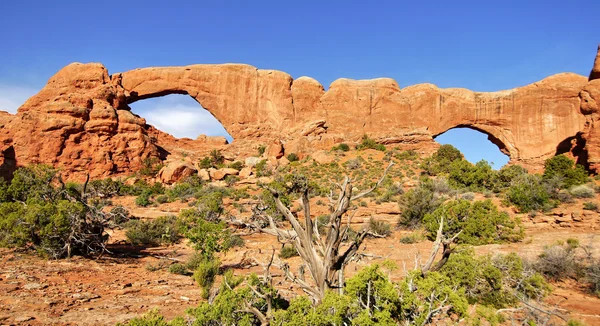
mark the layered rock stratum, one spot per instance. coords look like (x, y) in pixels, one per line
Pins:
(81, 121)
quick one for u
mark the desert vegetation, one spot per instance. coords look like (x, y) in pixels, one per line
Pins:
(308, 209)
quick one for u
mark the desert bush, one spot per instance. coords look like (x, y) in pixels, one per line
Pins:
(161, 230)
(161, 199)
(262, 169)
(507, 174)
(564, 168)
(205, 275)
(34, 182)
(57, 221)
(178, 269)
(528, 193)
(194, 261)
(592, 276)
(414, 237)
(153, 318)
(288, 252)
(418, 202)
(143, 199)
(590, 206)
(441, 160)
(468, 196)
(565, 197)
(105, 188)
(380, 228)
(234, 241)
(498, 281)
(341, 147)
(352, 164)
(261, 150)
(150, 167)
(558, 261)
(368, 143)
(409, 155)
(208, 237)
(479, 222)
(582, 191)
(292, 157)
(478, 177)
(236, 165)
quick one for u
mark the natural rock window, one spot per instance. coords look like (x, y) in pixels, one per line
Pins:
(475, 146)
(179, 115)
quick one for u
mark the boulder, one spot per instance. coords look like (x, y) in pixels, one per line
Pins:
(203, 174)
(175, 171)
(245, 172)
(252, 161)
(322, 157)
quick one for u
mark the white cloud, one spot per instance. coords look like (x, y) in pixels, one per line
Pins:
(180, 116)
(12, 97)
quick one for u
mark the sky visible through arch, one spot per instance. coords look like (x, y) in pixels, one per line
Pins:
(480, 45)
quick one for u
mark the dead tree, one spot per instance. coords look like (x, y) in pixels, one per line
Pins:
(324, 257)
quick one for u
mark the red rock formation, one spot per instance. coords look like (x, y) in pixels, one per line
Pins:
(81, 121)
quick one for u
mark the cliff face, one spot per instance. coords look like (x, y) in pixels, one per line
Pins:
(80, 121)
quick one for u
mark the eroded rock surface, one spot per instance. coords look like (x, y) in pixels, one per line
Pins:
(81, 121)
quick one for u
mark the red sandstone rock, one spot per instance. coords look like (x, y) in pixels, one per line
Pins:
(80, 120)
(175, 171)
(595, 73)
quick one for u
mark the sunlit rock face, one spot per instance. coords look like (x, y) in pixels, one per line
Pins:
(81, 122)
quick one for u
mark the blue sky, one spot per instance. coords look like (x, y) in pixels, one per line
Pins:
(481, 45)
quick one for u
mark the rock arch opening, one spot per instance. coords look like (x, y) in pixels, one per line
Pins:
(179, 115)
(476, 145)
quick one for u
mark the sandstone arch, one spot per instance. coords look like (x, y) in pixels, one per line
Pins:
(494, 140)
(81, 121)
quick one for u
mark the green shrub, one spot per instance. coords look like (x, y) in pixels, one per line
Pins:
(33, 182)
(153, 318)
(205, 163)
(564, 168)
(205, 275)
(368, 143)
(409, 155)
(292, 157)
(150, 167)
(480, 223)
(440, 161)
(582, 191)
(341, 147)
(161, 230)
(418, 202)
(234, 241)
(231, 180)
(507, 174)
(55, 221)
(208, 237)
(236, 165)
(380, 228)
(194, 261)
(590, 206)
(414, 237)
(478, 177)
(352, 164)
(498, 281)
(261, 150)
(288, 252)
(161, 199)
(262, 169)
(592, 276)
(528, 193)
(143, 199)
(177, 269)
